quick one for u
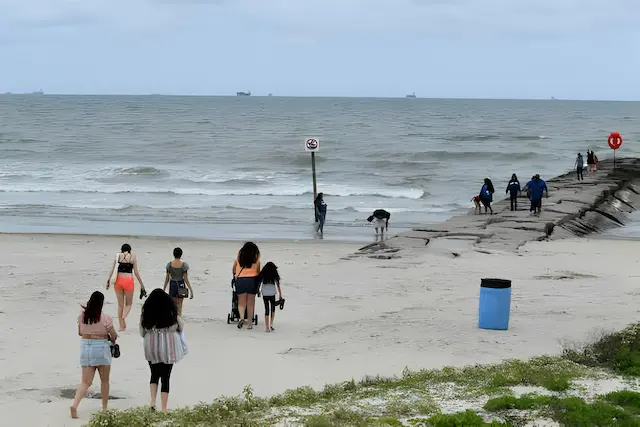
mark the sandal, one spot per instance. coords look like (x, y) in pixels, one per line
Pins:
(273, 329)
(240, 323)
(250, 327)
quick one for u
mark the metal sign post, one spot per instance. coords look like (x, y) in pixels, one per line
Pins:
(312, 145)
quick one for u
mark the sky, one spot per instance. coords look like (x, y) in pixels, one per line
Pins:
(575, 49)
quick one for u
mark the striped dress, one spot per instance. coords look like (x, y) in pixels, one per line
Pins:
(164, 345)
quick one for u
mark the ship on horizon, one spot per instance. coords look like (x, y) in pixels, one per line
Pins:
(243, 93)
(412, 95)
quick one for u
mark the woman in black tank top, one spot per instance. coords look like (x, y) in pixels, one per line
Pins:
(127, 267)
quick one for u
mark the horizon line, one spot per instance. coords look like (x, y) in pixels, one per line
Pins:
(409, 99)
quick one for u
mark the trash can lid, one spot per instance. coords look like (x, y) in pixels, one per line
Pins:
(495, 283)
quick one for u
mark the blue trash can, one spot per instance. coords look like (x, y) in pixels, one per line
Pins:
(495, 304)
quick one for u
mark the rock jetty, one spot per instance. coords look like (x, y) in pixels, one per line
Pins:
(573, 208)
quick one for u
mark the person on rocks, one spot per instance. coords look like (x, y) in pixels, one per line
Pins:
(513, 188)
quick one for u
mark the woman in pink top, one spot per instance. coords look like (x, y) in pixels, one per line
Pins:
(98, 333)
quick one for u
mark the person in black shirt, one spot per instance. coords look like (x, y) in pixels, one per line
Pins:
(380, 219)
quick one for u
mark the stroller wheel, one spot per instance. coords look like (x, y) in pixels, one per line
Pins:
(228, 318)
(255, 319)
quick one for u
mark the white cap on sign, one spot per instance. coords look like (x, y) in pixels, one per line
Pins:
(311, 145)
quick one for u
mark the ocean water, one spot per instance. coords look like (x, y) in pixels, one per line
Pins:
(235, 168)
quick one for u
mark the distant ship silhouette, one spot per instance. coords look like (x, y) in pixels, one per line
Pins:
(413, 95)
(243, 93)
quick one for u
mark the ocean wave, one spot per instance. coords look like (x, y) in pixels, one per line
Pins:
(472, 137)
(410, 193)
(141, 170)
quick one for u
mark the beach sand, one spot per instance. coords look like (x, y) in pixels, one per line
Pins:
(344, 318)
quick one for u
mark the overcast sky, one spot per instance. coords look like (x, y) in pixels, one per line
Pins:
(580, 49)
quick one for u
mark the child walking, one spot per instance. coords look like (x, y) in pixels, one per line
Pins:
(269, 281)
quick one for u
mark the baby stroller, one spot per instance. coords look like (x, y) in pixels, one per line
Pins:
(234, 316)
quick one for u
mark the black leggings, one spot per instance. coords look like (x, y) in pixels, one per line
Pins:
(269, 305)
(161, 371)
(514, 202)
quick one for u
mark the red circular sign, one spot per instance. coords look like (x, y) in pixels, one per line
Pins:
(615, 140)
(312, 144)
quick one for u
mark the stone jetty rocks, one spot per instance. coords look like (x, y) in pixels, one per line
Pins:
(574, 208)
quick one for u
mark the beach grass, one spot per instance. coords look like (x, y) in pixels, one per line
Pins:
(413, 397)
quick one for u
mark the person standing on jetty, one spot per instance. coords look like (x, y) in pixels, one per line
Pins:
(513, 188)
(538, 188)
(177, 278)
(486, 195)
(380, 219)
(161, 329)
(590, 162)
(246, 271)
(98, 334)
(579, 167)
(124, 286)
(321, 212)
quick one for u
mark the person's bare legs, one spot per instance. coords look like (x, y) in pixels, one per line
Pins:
(164, 398)
(128, 304)
(153, 388)
(178, 302)
(251, 306)
(104, 372)
(120, 297)
(273, 316)
(242, 305)
(88, 373)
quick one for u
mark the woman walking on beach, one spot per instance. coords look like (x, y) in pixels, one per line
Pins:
(124, 287)
(486, 195)
(269, 281)
(162, 331)
(98, 334)
(321, 212)
(246, 270)
(177, 278)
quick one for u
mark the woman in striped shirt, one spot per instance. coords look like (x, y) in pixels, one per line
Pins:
(161, 328)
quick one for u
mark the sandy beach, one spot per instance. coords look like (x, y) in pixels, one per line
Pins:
(344, 318)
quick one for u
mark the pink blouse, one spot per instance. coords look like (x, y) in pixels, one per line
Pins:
(100, 328)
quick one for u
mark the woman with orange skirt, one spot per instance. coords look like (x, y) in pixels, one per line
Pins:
(127, 267)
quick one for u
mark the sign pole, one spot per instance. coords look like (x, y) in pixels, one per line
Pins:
(313, 169)
(312, 145)
(614, 159)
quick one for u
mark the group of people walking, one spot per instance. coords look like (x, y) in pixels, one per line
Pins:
(536, 188)
(592, 164)
(161, 325)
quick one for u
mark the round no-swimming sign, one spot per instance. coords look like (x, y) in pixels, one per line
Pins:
(312, 145)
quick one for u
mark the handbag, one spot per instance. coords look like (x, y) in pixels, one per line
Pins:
(183, 291)
(183, 341)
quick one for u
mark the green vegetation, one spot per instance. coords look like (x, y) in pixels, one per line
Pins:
(618, 351)
(411, 399)
(614, 409)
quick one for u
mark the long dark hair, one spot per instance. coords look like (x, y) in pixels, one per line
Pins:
(514, 178)
(269, 274)
(248, 255)
(93, 309)
(489, 185)
(319, 197)
(159, 311)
